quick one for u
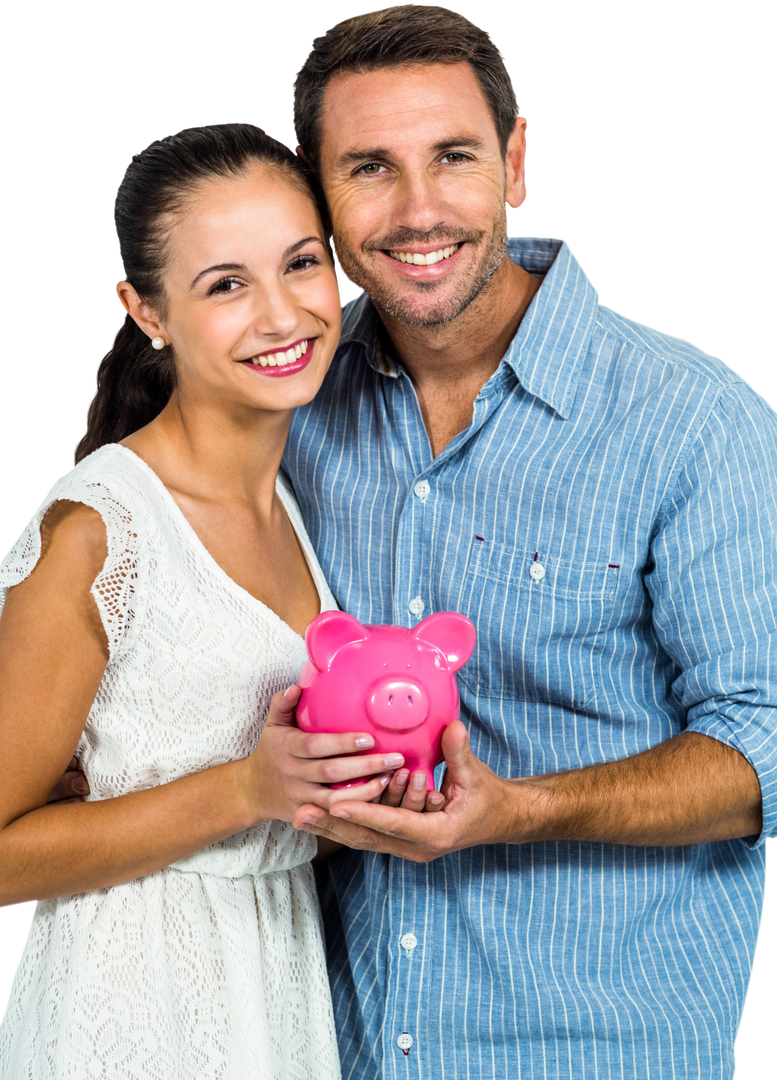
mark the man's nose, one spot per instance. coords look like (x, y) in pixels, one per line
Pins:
(417, 203)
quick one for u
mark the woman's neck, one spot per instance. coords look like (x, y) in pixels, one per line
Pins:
(209, 454)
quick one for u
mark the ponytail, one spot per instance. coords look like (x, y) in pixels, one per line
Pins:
(134, 383)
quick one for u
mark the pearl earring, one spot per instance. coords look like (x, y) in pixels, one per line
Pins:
(158, 342)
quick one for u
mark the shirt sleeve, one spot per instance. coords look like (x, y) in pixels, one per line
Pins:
(714, 584)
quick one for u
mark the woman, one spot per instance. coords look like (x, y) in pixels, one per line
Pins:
(153, 607)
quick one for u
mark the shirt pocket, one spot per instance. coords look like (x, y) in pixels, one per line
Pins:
(539, 620)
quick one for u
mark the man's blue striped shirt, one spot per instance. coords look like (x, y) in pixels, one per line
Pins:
(608, 522)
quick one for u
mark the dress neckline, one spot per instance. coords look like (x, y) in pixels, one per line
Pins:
(304, 543)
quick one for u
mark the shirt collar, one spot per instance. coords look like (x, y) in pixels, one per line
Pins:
(548, 351)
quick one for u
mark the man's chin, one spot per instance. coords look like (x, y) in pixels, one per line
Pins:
(425, 306)
(414, 314)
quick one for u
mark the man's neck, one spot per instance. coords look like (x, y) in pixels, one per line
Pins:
(449, 363)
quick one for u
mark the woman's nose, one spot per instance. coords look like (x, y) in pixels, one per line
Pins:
(275, 311)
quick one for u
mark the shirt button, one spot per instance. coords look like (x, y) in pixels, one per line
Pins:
(405, 1041)
(537, 571)
(408, 942)
(416, 606)
(422, 489)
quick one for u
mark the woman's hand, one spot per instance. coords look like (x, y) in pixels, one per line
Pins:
(408, 790)
(290, 767)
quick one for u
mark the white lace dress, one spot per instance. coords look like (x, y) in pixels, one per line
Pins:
(212, 967)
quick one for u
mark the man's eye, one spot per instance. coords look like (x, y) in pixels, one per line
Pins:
(372, 168)
(455, 157)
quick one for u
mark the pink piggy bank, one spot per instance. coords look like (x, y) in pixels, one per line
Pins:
(394, 683)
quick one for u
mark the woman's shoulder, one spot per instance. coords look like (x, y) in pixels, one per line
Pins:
(102, 504)
(98, 484)
(112, 477)
(107, 497)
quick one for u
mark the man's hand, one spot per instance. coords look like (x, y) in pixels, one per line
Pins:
(691, 789)
(478, 809)
(71, 787)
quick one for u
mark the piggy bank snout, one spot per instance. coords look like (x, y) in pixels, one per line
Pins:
(397, 705)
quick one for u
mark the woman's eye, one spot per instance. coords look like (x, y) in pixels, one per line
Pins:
(226, 285)
(301, 262)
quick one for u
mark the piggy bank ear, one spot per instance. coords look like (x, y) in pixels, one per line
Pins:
(451, 633)
(328, 632)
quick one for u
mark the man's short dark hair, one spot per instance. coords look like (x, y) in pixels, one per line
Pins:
(409, 34)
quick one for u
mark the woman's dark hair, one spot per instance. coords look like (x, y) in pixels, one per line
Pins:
(134, 381)
(406, 34)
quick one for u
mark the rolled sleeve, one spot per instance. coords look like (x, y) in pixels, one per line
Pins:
(714, 584)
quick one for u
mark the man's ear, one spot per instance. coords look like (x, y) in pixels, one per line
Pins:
(301, 154)
(515, 181)
(140, 311)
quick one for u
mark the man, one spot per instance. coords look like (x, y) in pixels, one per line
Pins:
(600, 500)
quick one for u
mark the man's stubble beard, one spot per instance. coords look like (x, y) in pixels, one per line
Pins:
(402, 307)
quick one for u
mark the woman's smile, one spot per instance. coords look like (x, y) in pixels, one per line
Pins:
(287, 360)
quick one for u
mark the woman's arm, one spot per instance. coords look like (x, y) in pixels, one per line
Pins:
(53, 653)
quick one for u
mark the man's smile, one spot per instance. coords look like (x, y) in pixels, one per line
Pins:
(418, 258)
(421, 263)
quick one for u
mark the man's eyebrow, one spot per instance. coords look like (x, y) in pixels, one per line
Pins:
(221, 267)
(358, 157)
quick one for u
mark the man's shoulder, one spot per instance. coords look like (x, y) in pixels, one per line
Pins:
(665, 350)
(358, 343)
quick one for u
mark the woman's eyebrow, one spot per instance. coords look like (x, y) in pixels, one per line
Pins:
(221, 267)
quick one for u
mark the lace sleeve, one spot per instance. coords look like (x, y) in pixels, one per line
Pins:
(115, 587)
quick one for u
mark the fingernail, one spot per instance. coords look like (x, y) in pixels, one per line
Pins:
(401, 777)
(80, 784)
(339, 813)
(287, 691)
(419, 780)
(436, 797)
(385, 779)
(308, 821)
(391, 761)
(364, 742)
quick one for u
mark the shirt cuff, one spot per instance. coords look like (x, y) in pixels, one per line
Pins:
(758, 745)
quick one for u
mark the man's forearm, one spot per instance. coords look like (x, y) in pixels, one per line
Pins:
(691, 789)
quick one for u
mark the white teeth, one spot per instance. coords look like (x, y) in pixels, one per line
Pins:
(416, 259)
(280, 359)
